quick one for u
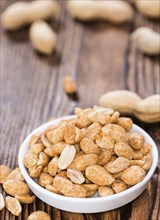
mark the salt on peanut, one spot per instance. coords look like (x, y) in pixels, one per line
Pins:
(4, 172)
(44, 179)
(119, 186)
(56, 149)
(77, 191)
(136, 140)
(34, 139)
(98, 175)
(13, 205)
(133, 175)
(38, 215)
(104, 157)
(75, 176)
(63, 185)
(35, 171)
(105, 191)
(88, 146)
(93, 130)
(45, 141)
(118, 165)
(148, 162)
(122, 149)
(26, 199)
(105, 141)
(126, 123)
(30, 159)
(53, 166)
(16, 175)
(36, 148)
(51, 188)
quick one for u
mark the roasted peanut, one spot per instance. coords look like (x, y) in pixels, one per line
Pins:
(56, 149)
(104, 157)
(115, 117)
(13, 205)
(70, 133)
(88, 146)
(117, 165)
(114, 11)
(101, 117)
(37, 215)
(75, 176)
(30, 159)
(148, 162)
(63, 185)
(123, 150)
(45, 141)
(15, 187)
(43, 159)
(105, 191)
(118, 133)
(4, 172)
(137, 155)
(69, 85)
(127, 102)
(76, 191)
(133, 175)
(119, 186)
(93, 130)
(99, 175)
(126, 123)
(90, 187)
(20, 14)
(26, 199)
(35, 171)
(105, 141)
(147, 40)
(136, 140)
(45, 179)
(53, 166)
(34, 139)
(36, 148)
(51, 188)
(15, 175)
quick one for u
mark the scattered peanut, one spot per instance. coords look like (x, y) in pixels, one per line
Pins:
(127, 102)
(69, 85)
(4, 172)
(42, 37)
(114, 11)
(147, 40)
(37, 215)
(20, 14)
(15, 175)
(96, 151)
(13, 205)
(2, 204)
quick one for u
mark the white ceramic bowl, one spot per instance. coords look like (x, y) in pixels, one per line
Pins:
(86, 205)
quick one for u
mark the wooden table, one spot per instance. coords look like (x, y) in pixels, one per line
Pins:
(101, 58)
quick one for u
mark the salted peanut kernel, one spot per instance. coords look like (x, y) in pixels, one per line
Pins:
(56, 135)
(43, 159)
(70, 133)
(15, 187)
(118, 133)
(82, 118)
(105, 141)
(53, 166)
(115, 117)
(35, 171)
(102, 117)
(117, 175)
(99, 175)
(15, 175)
(137, 162)
(78, 110)
(122, 149)
(50, 128)
(45, 169)
(63, 185)
(30, 159)
(104, 157)
(38, 215)
(88, 146)
(136, 140)
(36, 148)
(56, 149)
(69, 85)
(45, 179)
(51, 188)
(26, 199)
(90, 187)
(126, 123)
(66, 157)
(145, 149)
(109, 111)
(148, 162)
(137, 155)
(90, 193)
(119, 186)
(75, 176)
(45, 141)
(93, 130)
(77, 147)
(13, 205)
(77, 191)
(79, 135)
(34, 139)
(133, 175)
(2, 203)
(63, 174)
(113, 158)
(81, 162)
(4, 172)
(105, 191)
(118, 165)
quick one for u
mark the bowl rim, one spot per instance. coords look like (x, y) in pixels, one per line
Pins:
(92, 199)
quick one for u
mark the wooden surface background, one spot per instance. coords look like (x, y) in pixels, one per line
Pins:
(101, 58)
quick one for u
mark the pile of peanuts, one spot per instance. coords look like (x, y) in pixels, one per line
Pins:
(96, 151)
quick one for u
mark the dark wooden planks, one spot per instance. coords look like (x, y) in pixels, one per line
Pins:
(100, 57)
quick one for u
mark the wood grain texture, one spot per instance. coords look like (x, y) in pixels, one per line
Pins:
(101, 58)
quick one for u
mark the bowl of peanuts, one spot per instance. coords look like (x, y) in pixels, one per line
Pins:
(90, 162)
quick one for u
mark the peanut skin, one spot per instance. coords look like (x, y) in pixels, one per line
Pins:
(20, 14)
(127, 102)
(114, 11)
